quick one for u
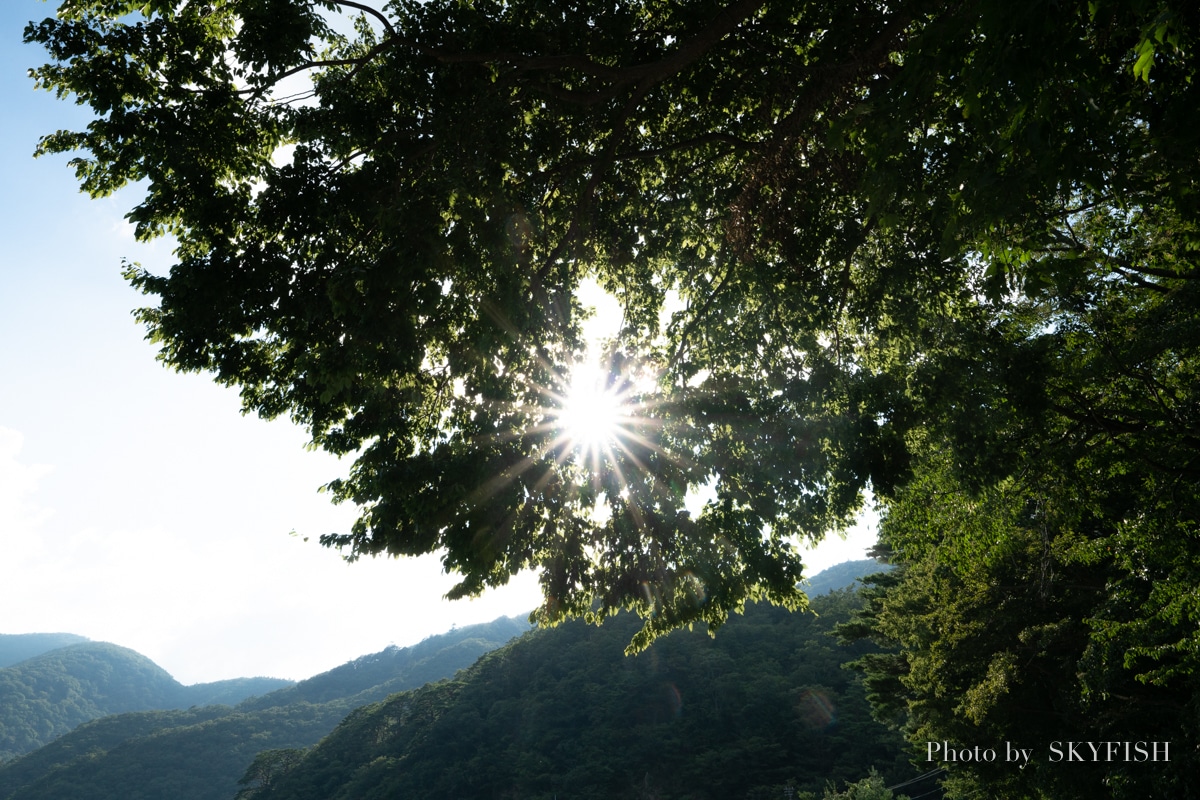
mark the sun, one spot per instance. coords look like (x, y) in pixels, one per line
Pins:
(595, 411)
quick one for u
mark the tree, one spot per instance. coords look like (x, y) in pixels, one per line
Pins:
(1049, 556)
(266, 770)
(871, 787)
(843, 234)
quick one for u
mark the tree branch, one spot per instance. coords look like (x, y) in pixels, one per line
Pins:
(357, 63)
(387, 23)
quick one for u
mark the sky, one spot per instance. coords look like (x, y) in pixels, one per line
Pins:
(137, 505)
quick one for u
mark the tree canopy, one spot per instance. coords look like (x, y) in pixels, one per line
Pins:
(858, 245)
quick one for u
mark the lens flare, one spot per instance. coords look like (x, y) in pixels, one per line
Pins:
(596, 412)
(816, 709)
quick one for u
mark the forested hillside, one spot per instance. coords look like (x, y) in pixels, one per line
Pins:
(199, 754)
(373, 677)
(48, 695)
(843, 576)
(563, 712)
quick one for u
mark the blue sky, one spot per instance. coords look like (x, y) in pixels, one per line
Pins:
(137, 505)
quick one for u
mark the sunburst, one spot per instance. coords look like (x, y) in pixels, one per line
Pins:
(596, 422)
(595, 414)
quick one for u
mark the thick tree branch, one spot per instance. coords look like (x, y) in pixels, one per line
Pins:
(1162, 273)
(1139, 281)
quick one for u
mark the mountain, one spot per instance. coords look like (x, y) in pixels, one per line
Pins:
(228, 692)
(843, 576)
(199, 754)
(764, 702)
(564, 713)
(373, 677)
(46, 696)
(17, 647)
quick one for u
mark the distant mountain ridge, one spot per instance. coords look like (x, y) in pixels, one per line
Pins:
(200, 753)
(17, 647)
(371, 677)
(49, 694)
(843, 576)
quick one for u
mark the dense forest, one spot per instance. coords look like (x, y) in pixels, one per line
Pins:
(199, 753)
(762, 709)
